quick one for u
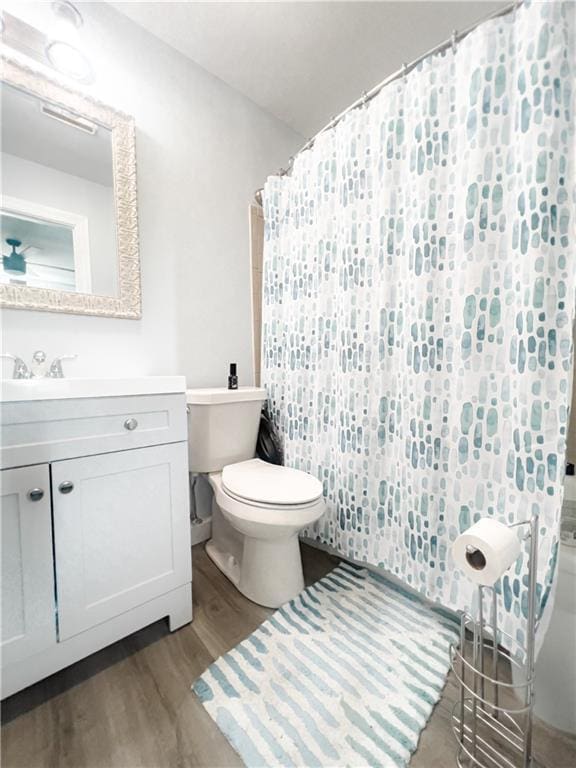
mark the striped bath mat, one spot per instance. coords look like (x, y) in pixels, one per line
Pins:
(346, 674)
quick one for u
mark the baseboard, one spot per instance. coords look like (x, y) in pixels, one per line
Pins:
(201, 531)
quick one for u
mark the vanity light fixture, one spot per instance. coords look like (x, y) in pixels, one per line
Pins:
(69, 118)
(63, 43)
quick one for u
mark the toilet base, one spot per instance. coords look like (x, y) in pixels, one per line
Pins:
(266, 571)
(224, 561)
(271, 572)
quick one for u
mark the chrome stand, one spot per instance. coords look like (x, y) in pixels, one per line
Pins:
(492, 720)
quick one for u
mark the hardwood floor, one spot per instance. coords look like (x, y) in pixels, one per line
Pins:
(130, 705)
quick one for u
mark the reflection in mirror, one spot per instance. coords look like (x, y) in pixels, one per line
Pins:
(38, 253)
(58, 211)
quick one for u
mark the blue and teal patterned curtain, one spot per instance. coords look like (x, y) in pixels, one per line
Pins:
(419, 277)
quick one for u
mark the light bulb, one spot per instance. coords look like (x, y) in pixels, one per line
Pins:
(63, 47)
(69, 60)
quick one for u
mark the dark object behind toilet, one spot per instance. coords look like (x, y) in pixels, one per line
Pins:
(269, 445)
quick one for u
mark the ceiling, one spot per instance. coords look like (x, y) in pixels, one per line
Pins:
(304, 61)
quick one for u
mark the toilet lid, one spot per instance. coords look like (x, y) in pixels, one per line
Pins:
(256, 480)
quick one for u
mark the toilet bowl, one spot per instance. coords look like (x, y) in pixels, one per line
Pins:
(258, 513)
(258, 508)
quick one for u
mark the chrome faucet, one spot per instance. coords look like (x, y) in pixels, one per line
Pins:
(38, 365)
(20, 370)
(56, 371)
(37, 370)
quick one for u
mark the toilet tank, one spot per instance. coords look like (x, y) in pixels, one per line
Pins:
(222, 426)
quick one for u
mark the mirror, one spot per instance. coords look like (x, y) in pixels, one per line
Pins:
(68, 215)
(57, 214)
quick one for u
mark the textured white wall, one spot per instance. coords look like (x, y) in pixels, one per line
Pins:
(202, 150)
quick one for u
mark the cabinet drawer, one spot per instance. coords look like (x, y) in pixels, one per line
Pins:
(34, 432)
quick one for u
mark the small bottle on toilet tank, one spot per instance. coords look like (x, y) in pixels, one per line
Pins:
(232, 377)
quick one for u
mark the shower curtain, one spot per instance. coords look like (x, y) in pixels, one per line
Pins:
(419, 276)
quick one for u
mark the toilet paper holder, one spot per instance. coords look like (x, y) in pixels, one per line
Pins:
(492, 718)
(475, 557)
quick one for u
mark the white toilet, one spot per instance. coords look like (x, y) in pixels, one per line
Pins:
(258, 508)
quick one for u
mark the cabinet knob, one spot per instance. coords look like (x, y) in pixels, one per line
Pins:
(66, 487)
(130, 424)
(36, 494)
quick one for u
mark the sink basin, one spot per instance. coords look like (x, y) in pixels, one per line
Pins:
(14, 390)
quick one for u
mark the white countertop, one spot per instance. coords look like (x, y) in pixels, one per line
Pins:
(15, 390)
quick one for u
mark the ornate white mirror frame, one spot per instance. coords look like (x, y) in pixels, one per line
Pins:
(127, 304)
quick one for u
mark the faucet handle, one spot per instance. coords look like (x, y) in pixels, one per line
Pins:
(56, 371)
(20, 370)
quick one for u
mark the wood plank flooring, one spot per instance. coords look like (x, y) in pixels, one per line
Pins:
(130, 705)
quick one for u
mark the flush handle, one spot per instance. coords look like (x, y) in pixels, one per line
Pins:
(66, 487)
(36, 494)
(130, 424)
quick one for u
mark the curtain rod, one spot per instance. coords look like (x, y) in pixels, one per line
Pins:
(367, 96)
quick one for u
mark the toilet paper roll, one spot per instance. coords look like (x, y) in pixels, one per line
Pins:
(486, 550)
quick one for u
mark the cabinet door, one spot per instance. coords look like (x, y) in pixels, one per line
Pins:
(121, 530)
(28, 609)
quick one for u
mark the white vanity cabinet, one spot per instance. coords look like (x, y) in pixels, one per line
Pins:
(118, 521)
(95, 526)
(28, 606)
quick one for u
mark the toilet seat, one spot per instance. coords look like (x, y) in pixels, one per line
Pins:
(261, 484)
(264, 505)
(262, 513)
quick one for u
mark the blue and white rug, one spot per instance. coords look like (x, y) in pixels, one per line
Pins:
(346, 674)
